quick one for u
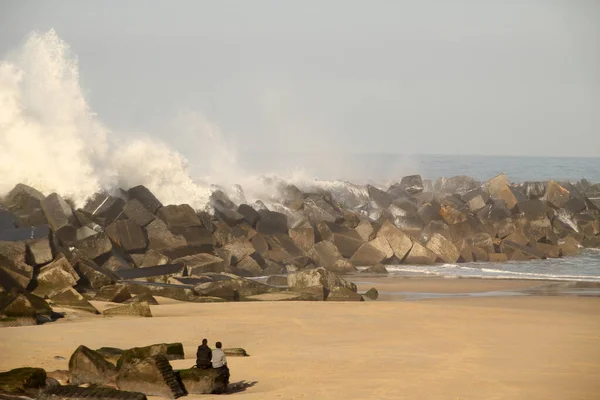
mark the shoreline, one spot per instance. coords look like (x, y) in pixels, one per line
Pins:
(399, 288)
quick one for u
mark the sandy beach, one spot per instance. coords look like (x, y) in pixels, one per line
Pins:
(530, 347)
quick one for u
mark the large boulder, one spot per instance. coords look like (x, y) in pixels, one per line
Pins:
(72, 299)
(129, 310)
(113, 294)
(343, 294)
(25, 202)
(368, 255)
(93, 276)
(160, 237)
(326, 254)
(88, 366)
(456, 184)
(303, 236)
(104, 209)
(397, 240)
(202, 263)
(179, 216)
(420, 255)
(239, 249)
(413, 184)
(203, 381)
(556, 195)
(135, 211)
(302, 280)
(55, 278)
(13, 252)
(443, 248)
(272, 223)
(250, 215)
(128, 235)
(152, 376)
(145, 197)
(39, 251)
(91, 243)
(317, 209)
(379, 197)
(60, 217)
(375, 269)
(25, 305)
(20, 381)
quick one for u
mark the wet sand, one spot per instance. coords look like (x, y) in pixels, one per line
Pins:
(534, 347)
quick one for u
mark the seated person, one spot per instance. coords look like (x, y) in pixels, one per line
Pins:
(219, 361)
(204, 355)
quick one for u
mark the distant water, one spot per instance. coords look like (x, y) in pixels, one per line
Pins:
(584, 267)
(380, 166)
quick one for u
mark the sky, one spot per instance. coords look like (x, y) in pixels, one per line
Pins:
(409, 77)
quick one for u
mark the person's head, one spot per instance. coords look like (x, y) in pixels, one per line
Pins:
(204, 341)
(219, 345)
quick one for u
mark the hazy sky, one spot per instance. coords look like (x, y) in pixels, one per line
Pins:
(507, 77)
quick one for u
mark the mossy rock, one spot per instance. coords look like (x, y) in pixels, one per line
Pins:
(20, 379)
(173, 351)
(371, 294)
(202, 381)
(235, 352)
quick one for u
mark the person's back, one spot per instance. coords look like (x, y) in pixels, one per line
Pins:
(204, 356)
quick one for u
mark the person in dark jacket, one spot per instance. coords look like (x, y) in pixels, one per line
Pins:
(204, 356)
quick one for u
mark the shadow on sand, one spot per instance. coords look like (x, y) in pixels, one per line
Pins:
(240, 386)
